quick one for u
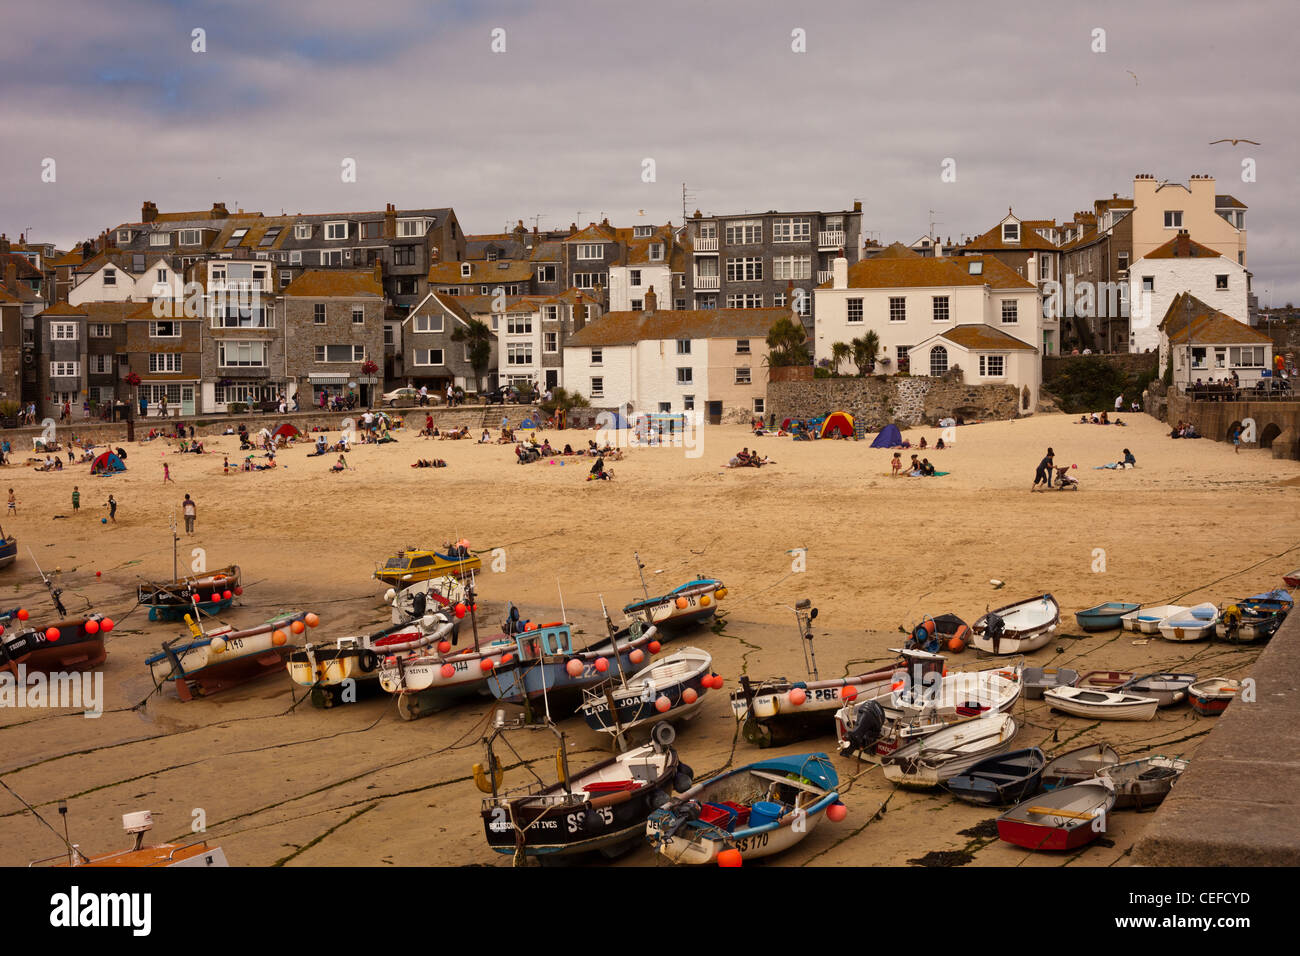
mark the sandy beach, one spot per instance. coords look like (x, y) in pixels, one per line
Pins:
(356, 785)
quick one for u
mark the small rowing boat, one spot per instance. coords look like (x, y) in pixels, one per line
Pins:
(936, 757)
(1079, 764)
(1147, 620)
(1018, 628)
(1104, 617)
(1193, 624)
(1105, 680)
(685, 605)
(207, 594)
(1063, 819)
(681, 680)
(1143, 783)
(1000, 779)
(1211, 697)
(1100, 704)
(1167, 689)
(1039, 679)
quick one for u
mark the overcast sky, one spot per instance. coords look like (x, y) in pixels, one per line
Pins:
(560, 123)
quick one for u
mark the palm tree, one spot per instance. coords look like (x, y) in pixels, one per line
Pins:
(865, 348)
(840, 353)
(480, 338)
(786, 343)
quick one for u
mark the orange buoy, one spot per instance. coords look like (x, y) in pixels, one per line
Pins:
(956, 645)
(682, 604)
(448, 670)
(278, 637)
(311, 619)
(730, 857)
(662, 704)
(637, 656)
(848, 692)
(297, 627)
(836, 812)
(654, 647)
(797, 696)
(574, 667)
(444, 647)
(690, 696)
(602, 665)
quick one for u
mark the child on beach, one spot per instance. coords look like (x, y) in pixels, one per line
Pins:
(13, 503)
(897, 464)
(111, 505)
(167, 473)
(340, 465)
(76, 499)
(225, 466)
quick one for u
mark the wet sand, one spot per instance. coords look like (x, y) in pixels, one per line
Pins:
(358, 785)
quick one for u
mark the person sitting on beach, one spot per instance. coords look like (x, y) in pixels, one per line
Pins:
(923, 444)
(598, 472)
(485, 438)
(546, 448)
(896, 465)
(1129, 461)
(568, 450)
(940, 446)
(340, 465)
(58, 464)
(1083, 419)
(1104, 419)
(927, 469)
(246, 464)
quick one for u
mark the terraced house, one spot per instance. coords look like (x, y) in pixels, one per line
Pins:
(334, 331)
(83, 350)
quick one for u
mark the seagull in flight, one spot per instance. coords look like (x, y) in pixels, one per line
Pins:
(1134, 75)
(1234, 142)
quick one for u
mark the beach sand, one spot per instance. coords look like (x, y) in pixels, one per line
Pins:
(358, 785)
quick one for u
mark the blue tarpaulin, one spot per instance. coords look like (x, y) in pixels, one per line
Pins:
(889, 437)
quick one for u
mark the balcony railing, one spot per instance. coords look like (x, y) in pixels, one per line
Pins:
(707, 283)
(706, 245)
(824, 276)
(239, 285)
(830, 240)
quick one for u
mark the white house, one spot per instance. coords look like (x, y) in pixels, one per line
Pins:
(1206, 344)
(931, 314)
(649, 265)
(706, 360)
(1181, 265)
(109, 282)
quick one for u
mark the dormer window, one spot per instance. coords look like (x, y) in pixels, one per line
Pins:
(302, 230)
(411, 228)
(977, 268)
(335, 231)
(123, 236)
(236, 238)
(656, 252)
(160, 239)
(191, 237)
(642, 232)
(493, 255)
(1011, 232)
(465, 270)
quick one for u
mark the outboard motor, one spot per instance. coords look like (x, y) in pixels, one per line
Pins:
(994, 628)
(865, 724)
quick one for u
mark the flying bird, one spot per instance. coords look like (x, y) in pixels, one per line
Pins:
(1234, 142)
(1134, 75)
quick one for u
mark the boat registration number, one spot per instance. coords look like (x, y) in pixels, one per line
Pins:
(755, 842)
(234, 643)
(602, 814)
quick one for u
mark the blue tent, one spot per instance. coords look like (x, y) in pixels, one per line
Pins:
(889, 437)
(107, 464)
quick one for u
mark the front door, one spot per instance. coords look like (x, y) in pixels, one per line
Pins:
(187, 399)
(552, 379)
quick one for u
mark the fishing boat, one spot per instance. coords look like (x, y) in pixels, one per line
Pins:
(1001, 779)
(1211, 697)
(1100, 704)
(1039, 679)
(947, 632)
(757, 810)
(1193, 624)
(1167, 689)
(1018, 628)
(68, 645)
(349, 667)
(441, 676)
(1292, 580)
(669, 689)
(412, 602)
(1143, 783)
(601, 808)
(930, 761)
(411, 565)
(1104, 617)
(1147, 620)
(207, 594)
(1105, 680)
(776, 710)
(1075, 766)
(683, 606)
(8, 549)
(197, 854)
(1241, 624)
(544, 668)
(1277, 601)
(213, 661)
(1063, 819)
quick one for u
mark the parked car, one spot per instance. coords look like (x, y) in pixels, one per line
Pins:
(404, 395)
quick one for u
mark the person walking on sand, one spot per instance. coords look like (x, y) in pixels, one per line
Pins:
(190, 511)
(225, 467)
(76, 499)
(13, 503)
(897, 464)
(167, 474)
(1044, 472)
(111, 505)
(1236, 440)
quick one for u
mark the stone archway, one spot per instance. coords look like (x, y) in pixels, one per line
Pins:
(1267, 436)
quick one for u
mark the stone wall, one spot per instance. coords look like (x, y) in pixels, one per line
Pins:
(1277, 424)
(891, 399)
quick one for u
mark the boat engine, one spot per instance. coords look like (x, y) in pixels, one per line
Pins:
(865, 724)
(994, 628)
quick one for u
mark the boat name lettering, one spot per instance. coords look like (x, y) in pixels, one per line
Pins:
(576, 820)
(755, 842)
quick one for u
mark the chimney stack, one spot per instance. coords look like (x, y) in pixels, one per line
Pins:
(857, 205)
(219, 211)
(11, 274)
(4, 243)
(840, 272)
(390, 221)
(148, 212)
(650, 301)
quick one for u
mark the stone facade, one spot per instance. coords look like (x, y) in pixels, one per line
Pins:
(1277, 424)
(899, 400)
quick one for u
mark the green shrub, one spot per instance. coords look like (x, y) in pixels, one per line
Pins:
(237, 408)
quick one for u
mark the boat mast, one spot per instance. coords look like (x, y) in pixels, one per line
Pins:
(49, 586)
(613, 639)
(640, 570)
(473, 604)
(176, 574)
(804, 613)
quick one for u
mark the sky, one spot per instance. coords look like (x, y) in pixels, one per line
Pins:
(556, 116)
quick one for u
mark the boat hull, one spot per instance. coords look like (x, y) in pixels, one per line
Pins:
(171, 600)
(75, 649)
(636, 704)
(223, 659)
(1103, 617)
(770, 719)
(1084, 808)
(1028, 625)
(699, 597)
(1100, 705)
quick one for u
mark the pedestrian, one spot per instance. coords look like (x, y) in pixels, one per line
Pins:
(190, 510)
(76, 499)
(167, 474)
(225, 466)
(111, 505)
(1119, 402)
(1236, 440)
(13, 503)
(1044, 472)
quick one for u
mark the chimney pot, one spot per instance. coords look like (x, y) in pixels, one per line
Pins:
(651, 300)
(857, 205)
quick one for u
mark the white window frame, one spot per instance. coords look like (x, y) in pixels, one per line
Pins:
(898, 308)
(935, 351)
(519, 354)
(109, 277)
(642, 232)
(745, 269)
(760, 405)
(597, 357)
(332, 230)
(191, 237)
(64, 332)
(546, 273)
(685, 375)
(519, 323)
(550, 342)
(165, 363)
(591, 251)
(428, 324)
(856, 302)
(792, 229)
(160, 239)
(295, 257)
(987, 366)
(65, 370)
(412, 228)
(1173, 219)
(424, 357)
(683, 346)
(174, 323)
(634, 277)
(358, 315)
(935, 305)
(744, 300)
(791, 267)
(1014, 306)
(302, 230)
(742, 347)
(744, 232)
(1011, 232)
(598, 387)
(99, 364)
(358, 354)
(236, 345)
(656, 252)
